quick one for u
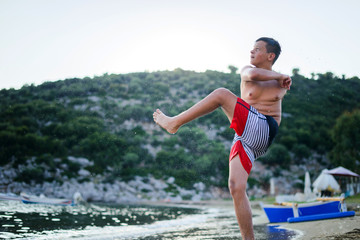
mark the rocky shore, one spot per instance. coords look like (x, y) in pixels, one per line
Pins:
(97, 189)
(137, 190)
(141, 188)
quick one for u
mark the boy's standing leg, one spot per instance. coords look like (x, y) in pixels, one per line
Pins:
(237, 185)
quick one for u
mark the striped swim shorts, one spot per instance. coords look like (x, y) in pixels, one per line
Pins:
(254, 133)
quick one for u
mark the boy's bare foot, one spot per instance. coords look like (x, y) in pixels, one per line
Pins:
(164, 121)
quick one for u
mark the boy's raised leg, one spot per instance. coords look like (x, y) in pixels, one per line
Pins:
(220, 97)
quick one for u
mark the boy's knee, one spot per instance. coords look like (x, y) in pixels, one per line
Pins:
(237, 188)
(220, 93)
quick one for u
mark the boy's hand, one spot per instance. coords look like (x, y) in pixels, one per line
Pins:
(285, 82)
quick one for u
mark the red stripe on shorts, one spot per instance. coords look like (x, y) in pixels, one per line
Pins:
(238, 149)
(238, 123)
(240, 116)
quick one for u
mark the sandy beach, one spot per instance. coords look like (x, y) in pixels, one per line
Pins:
(335, 229)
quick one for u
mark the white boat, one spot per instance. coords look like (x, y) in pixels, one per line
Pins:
(25, 198)
(10, 196)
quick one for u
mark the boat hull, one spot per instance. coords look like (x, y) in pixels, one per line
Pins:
(278, 213)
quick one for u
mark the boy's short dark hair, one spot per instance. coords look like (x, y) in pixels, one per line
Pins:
(272, 46)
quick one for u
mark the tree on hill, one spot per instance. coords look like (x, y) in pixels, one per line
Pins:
(346, 137)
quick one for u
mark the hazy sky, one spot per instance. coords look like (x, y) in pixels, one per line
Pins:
(47, 40)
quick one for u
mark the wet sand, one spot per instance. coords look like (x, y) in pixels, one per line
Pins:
(334, 229)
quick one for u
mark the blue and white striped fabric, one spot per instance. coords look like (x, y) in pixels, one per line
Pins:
(255, 138)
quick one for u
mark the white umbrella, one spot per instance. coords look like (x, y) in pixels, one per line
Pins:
(272, 186)
(326, 182)
(307, 187)
(341, 171)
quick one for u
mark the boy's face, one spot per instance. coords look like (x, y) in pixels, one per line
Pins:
(259, 54)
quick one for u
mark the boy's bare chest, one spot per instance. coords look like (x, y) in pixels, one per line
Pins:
(268, 91)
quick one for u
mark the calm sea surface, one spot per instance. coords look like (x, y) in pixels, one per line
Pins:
(105, 221)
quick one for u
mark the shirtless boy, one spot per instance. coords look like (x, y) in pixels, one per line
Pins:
(255, 117)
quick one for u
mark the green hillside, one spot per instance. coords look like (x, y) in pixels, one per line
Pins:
(108, 120)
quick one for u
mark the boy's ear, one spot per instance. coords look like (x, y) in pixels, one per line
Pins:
(271, 57)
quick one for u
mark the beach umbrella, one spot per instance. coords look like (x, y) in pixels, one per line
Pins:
(346, 178)
(341, 171)
(307, 187)
(326, 182)
(272, 186)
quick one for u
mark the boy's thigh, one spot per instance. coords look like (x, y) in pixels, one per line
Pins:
(237, 173)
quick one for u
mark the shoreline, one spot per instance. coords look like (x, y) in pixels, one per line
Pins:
(219, 221)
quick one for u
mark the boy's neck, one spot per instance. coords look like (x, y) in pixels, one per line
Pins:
(265, 66)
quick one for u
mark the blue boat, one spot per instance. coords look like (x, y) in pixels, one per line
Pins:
(287, 212)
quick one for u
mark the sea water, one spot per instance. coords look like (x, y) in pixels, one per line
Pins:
(133, 221)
